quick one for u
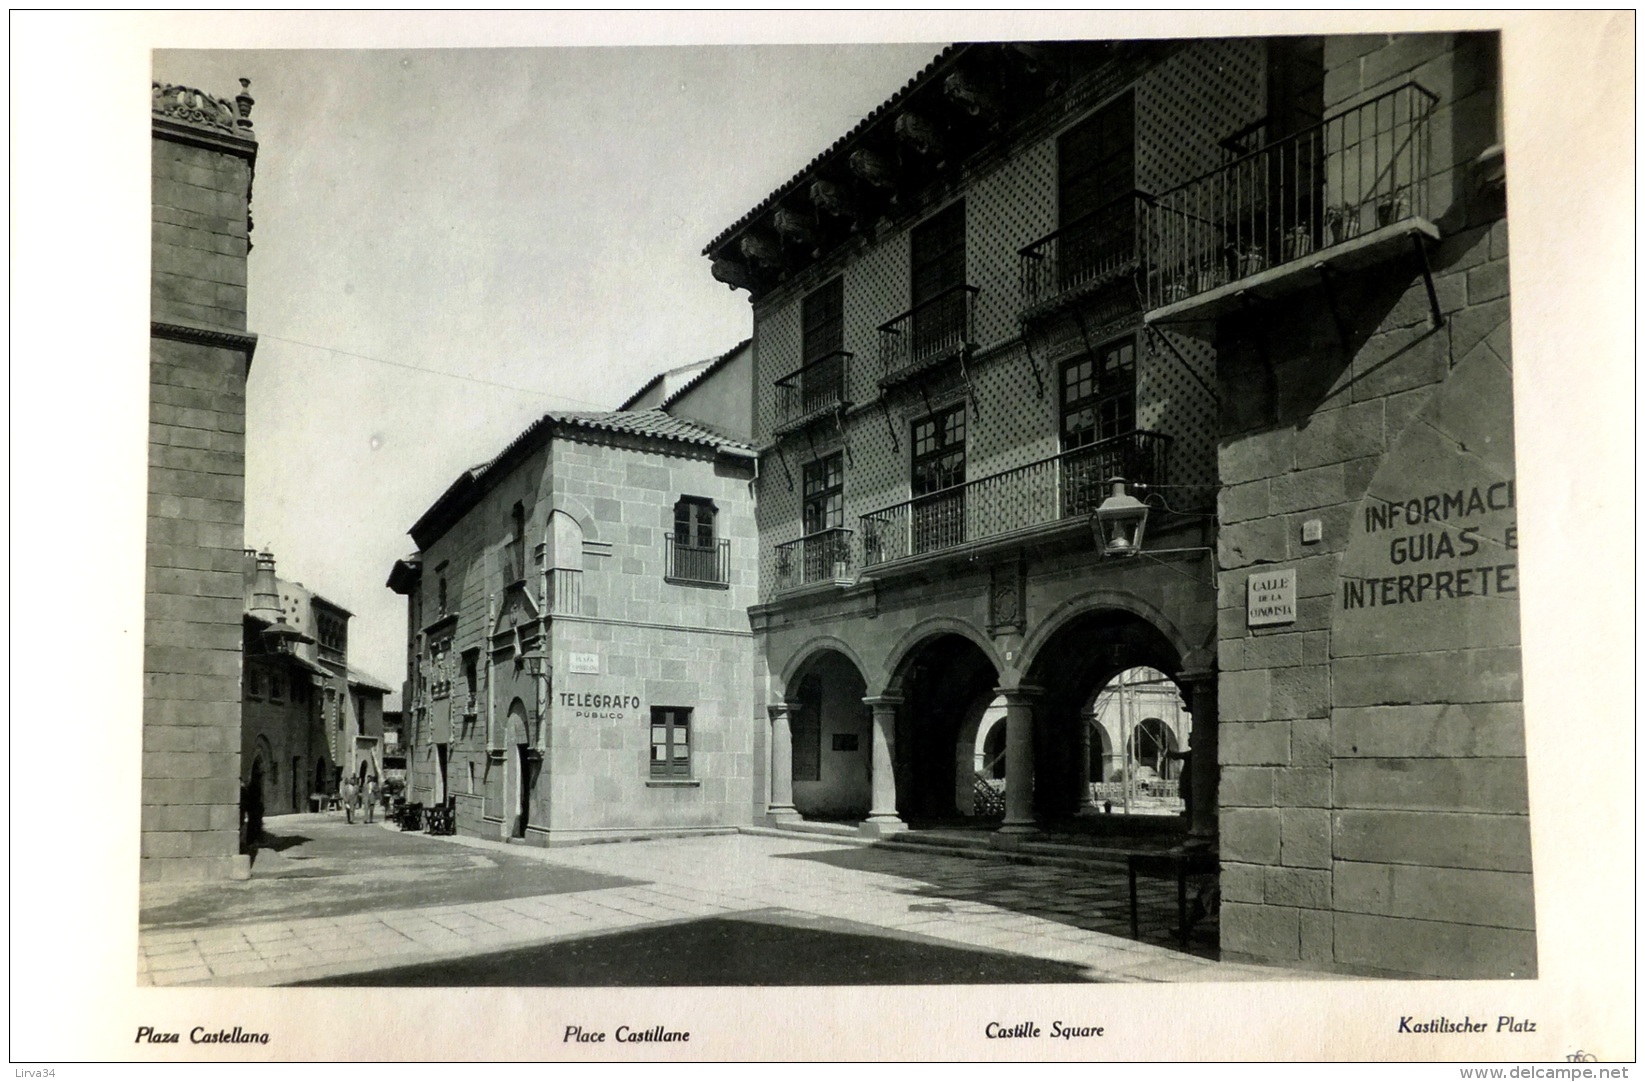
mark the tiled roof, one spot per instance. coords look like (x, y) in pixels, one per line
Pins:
(839, 144)
(717, 364)
(653, 424)
(364, 679)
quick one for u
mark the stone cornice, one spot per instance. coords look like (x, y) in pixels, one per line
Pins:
(193, 116)
(201, 335)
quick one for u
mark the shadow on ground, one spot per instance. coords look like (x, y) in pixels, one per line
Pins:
(319, 866)
(763, 947)
(1093, 899)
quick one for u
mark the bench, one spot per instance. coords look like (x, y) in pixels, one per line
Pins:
(1177, 863)
(410, 816)
(442, 818)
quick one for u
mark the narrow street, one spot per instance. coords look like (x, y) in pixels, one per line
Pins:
(333, 903)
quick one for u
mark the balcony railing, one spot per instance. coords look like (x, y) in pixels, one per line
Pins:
(819, 557)
(1357, 171)
(813, 389)
(1063, 486)
(1086, 252)
(932, 331)
(707, 565)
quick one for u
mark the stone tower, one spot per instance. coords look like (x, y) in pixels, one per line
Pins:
(204, 152)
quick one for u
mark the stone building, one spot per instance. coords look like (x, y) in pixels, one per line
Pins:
(309, 718)
(1374, 805)
(204, 151)
(1265, 282)
(577, 637)
(718, 392)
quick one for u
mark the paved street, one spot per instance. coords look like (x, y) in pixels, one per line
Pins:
(331, 903)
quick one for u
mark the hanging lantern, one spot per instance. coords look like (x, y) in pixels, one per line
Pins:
(1120, 521)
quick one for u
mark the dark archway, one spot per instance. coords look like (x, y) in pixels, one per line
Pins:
(1072, 666)
(993, 752)
(1152, 742)
(940, 680)
(831, 732)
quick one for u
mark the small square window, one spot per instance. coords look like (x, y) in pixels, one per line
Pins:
(671, 742)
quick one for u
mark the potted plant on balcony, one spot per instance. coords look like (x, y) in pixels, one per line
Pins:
(785, 566)
(1341, 223)
(1252, 259)
(1393, 208)
(1298, 242)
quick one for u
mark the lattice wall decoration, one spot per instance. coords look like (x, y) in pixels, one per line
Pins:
(1013, 206)
(1203, 93)
(776, 353)
(1171, 400)
(1209, 89)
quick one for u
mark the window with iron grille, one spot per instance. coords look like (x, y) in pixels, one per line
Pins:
(822, 321)
(824, 486)
(1096, 160)
(695, 554)
(937, 269)
(937, 251)
(939, 451)
(671, 742)
(1099, 394)
(938, 519)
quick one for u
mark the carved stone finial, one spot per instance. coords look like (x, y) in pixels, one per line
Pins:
(245, 101)
(919, 133)
(735, 275)
(760, 247)
(793, 226)
(873, 168)
(191, 106)
(832, 198)
(969, 93)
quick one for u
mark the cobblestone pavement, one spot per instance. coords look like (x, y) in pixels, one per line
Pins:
(942, 916)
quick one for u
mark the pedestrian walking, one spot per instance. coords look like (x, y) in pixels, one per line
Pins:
(350, 794)
(370, 798)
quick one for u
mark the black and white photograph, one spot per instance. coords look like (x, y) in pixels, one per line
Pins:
(650, 522)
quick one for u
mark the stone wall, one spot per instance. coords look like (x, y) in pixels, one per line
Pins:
(198, 359)
(660, 643)
(598, 515)
(1374, 814)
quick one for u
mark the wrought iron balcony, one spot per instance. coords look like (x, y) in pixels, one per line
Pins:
(1354, 173)
(1063, 486)
(813, 390)
(927, 334)
(702, 565)
(820, 557)
(1088, 252)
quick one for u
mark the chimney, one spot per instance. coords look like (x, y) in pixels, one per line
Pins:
(265, 595)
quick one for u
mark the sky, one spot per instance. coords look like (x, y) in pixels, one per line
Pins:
(528, 221)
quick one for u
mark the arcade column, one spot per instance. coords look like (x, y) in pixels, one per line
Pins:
(882, 814)
(781, 805)
(1083, 804)
(1200, 689)
(1019, 758)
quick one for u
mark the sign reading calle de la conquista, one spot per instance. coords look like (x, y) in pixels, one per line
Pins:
(1271, 598)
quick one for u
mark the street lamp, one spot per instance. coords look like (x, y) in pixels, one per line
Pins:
(1120, 521)
(536, 666)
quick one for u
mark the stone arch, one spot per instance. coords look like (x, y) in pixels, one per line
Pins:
(518, 728)
(892, 674)
(584, 518)
(564, 534)
(808, 653)
(1094, 601)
